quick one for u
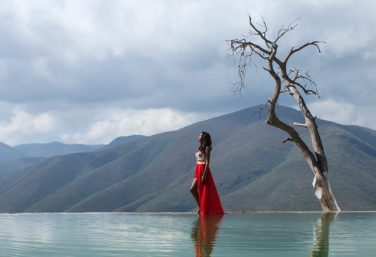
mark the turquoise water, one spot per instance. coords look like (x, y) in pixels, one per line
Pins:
(126, 234)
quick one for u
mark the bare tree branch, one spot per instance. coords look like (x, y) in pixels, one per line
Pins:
(277, 69)
(287, 139)
(284, 30)
(293, 51)
(261, 34)
(261, 108)
(306, 79)
(243, 44)
(299, 124)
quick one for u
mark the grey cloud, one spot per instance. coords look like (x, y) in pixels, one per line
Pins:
(171, 54)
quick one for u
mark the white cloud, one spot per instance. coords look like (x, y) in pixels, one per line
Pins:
(344, 112)
(129, 122)
(23, 125)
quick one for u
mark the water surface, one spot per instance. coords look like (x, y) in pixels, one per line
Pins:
(127, 234)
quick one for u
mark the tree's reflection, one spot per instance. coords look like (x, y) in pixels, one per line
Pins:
(321, 235)
(204, 232)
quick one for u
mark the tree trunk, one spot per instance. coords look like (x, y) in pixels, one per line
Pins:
(318, 165)
(268, 52)
(323, 192)
(318, 162)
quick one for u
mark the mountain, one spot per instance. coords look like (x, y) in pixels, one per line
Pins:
(17, 158)
(42, 150)
(122, 140)
(8, 153)
(252, 168)
(53, 148)
(9, 167)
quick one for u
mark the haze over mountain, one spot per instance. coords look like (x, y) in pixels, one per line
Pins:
(42, 150)
(252, 168)
(19, 157)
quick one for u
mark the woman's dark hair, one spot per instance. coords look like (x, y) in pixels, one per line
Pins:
(206, 141)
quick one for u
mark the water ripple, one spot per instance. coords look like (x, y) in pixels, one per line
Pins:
(124, 234)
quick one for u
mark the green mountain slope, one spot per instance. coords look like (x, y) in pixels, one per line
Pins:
(17, 158)
(54, 148)
(252, 169)
(11, 166)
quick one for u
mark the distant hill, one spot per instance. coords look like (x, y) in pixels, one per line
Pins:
(9, 167)
(122, 140)
(42, 150)
(8, 153)
(19, 157)
(253, 170)
(54, 148)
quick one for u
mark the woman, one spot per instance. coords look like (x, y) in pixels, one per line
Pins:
(203, 188)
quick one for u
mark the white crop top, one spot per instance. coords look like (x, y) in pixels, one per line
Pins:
(200, 156)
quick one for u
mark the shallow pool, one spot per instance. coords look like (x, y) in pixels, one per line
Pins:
(173, 234)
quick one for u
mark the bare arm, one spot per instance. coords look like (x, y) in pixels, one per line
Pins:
(207, 161)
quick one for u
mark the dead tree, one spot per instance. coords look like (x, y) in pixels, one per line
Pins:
(295, 83)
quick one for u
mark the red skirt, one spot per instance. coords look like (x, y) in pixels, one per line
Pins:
(210, 204)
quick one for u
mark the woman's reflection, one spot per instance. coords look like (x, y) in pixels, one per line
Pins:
(321, 234)
(204, 232)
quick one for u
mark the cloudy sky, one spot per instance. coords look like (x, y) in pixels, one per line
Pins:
(87, 71)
